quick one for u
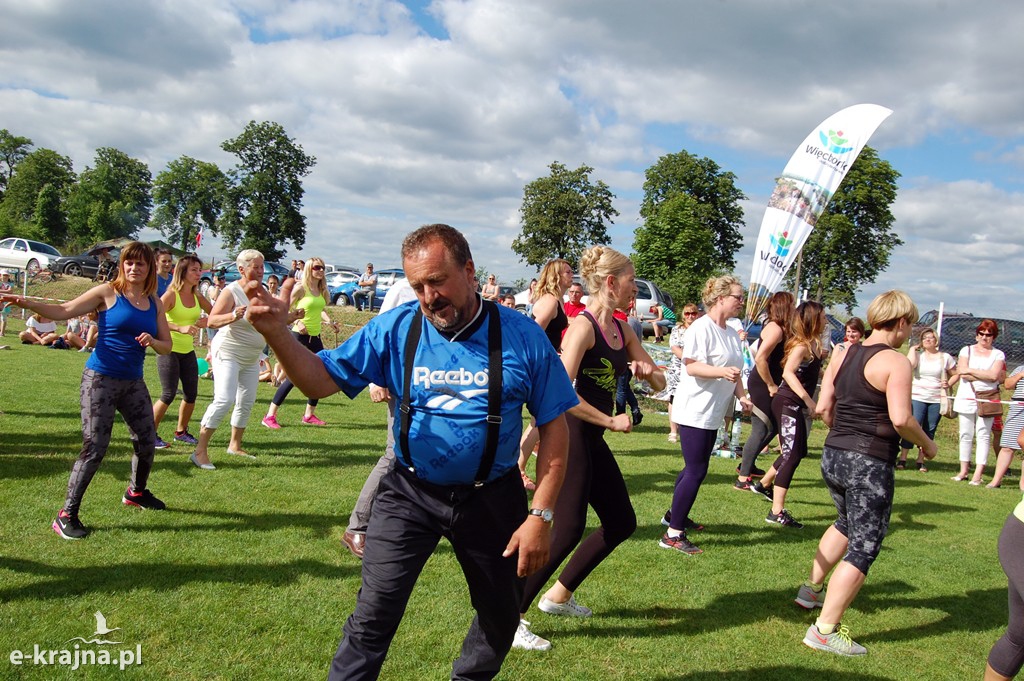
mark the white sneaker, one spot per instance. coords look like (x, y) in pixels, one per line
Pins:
(527, 640)
(569, 609)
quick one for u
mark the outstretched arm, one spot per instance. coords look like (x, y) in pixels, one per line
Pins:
(270, 316)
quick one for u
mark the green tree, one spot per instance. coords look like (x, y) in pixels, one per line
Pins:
(188, 196)
(13, 150)
(111, 199)
(676, 249)
(714, 190)
(39, 170)
(853, 239)
(562, 214)
(262, 207)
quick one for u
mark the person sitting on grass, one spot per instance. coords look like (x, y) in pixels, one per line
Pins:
(39, 330)
(865, 401)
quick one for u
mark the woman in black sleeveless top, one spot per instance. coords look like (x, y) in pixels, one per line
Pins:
(865, 400)
(764, 383)
(791, 404)
(555, 280)
(595, 350)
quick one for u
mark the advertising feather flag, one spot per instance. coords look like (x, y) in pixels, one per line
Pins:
(802, 192)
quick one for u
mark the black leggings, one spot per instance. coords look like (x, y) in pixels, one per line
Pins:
(1007, 655)
(592, 477)
(175, 366)
(315, 345)
(763, 426)
(789, 414)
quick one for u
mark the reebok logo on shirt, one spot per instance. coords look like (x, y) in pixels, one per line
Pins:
(423, 377)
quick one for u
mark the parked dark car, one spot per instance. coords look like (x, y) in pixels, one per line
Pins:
(231, 274)
(343, 295)
(81, 265)
(959, 331)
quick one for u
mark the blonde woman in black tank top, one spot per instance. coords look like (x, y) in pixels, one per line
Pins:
(865, 400)
(595, 349)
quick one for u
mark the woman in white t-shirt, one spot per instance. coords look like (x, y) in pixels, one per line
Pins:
(933, 373)
(39, 330)
(980, 367)
(710, 381)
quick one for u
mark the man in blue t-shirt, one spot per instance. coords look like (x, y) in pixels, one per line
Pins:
(433, 489)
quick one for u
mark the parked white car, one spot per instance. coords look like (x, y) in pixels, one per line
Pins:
(26, 254)
(647, 294)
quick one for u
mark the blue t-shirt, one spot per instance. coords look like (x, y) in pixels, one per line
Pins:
(448, 429)
(162, 284)
(117, 353)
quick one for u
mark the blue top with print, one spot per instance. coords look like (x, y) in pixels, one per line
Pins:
(448, 429)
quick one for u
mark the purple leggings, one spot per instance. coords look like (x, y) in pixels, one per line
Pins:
(697, 445)
(1007, 655)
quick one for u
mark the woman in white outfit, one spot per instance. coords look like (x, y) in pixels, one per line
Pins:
(980, 367)
(236, 353)
(934, 372)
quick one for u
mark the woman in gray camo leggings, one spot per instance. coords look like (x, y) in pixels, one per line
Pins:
(865, 400)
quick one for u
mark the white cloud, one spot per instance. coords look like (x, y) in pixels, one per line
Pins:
(408, 128)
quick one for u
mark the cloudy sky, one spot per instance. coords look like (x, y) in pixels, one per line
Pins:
(442, 111)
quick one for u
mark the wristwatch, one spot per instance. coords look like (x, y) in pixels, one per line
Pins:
(545, 514)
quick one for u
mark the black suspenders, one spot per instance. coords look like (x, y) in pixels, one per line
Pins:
(494, 385)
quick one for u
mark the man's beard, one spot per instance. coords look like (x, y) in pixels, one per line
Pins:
(454, 323)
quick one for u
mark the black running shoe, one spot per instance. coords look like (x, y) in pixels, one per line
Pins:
(766, 492)
(690, 523)
(638, 416)
(784, 519)
(69, 526)
(753, 471)
(742, 485)
(143, 499)
(680, 544)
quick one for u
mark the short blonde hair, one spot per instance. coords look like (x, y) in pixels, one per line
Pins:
(888, 308)
(248, 257)
(598, 263)
(717, 288)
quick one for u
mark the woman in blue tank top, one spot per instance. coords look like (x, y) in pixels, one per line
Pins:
(131, 319)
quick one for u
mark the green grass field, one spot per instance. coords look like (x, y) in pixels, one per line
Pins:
(243, 577)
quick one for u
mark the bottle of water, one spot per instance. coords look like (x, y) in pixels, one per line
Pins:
(735, 439)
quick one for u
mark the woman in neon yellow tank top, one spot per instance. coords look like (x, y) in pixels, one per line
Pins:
(183, 306)
(310, 296)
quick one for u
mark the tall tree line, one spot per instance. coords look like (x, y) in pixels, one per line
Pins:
(255, 204)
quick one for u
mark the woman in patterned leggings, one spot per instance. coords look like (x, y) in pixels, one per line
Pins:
(131, 319)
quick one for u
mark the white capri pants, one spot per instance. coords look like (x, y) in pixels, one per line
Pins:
(236, 382)
(975, 428)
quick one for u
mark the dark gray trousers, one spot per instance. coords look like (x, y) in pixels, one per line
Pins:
(409, 518)
(103, 396)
